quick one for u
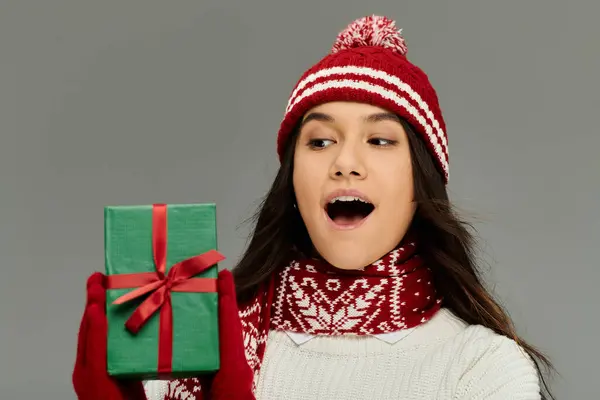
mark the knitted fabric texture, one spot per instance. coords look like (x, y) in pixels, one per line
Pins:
(389, 295)
(368, 64)
(310, 296)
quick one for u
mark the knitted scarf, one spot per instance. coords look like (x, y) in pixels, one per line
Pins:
(310, 296)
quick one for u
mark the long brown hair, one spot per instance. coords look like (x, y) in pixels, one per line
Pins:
(447, 243)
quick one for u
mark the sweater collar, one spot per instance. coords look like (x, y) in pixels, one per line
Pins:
(390, 337)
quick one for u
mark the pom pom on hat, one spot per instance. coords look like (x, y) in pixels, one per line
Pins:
(371, 31)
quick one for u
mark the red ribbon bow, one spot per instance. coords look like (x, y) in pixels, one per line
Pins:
(178, 279)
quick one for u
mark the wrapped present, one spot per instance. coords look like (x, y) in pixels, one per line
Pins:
(161, 266)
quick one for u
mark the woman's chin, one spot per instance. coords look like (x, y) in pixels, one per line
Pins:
(349, 256)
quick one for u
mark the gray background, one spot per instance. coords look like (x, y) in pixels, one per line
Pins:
(128, 102)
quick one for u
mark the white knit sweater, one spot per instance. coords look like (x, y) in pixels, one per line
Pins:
(443, 359)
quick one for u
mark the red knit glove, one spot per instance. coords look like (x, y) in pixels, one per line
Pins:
(234, 379)
(90, 378)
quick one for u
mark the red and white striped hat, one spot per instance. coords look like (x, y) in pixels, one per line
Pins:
(368, 64)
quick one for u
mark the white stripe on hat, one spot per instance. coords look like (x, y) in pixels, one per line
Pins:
(375, 73)
(386, 94)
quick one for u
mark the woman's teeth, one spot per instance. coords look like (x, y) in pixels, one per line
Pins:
(348, 198)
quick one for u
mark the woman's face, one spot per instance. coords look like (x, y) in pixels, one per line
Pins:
(353, 182)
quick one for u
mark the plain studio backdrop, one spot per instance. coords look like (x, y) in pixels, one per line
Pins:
(136, 102)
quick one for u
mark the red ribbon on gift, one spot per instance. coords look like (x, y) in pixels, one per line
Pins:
(179, 279)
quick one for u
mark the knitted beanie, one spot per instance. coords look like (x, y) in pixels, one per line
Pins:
(368, 64)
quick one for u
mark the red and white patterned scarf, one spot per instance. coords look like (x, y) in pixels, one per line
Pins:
(310, 296)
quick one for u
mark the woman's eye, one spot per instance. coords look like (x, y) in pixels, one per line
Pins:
(319, 143)
(382, 142)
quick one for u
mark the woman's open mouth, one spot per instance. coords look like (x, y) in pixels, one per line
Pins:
(348, 212)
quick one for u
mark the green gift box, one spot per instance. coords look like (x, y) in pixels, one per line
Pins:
(161, 300)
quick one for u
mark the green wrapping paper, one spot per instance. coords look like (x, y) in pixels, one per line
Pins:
(190, 231)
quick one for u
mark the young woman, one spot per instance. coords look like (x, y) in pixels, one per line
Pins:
(359, 281)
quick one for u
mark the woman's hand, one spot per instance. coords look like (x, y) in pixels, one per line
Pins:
(234, 378)
(90, 378)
